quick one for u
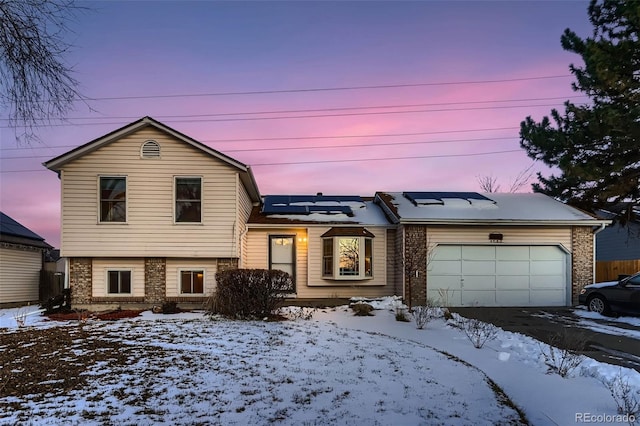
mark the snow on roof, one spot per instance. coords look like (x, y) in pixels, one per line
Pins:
(480, 207)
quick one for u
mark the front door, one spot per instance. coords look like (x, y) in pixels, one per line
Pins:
(282, 255)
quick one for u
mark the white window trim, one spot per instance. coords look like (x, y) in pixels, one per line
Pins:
(126, 200)
(191, 269)
(174, 200)
(106, 281)
(336, 260)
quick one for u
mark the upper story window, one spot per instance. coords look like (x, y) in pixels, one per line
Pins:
(113, 199)
(347, 254)
(188, 195)
(150, 149)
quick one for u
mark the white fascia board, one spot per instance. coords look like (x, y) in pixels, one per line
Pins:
(506, 222)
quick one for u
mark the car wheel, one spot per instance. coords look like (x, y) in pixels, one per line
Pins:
(599, 305)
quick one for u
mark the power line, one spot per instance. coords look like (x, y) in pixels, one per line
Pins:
(327, 89)
(303, 116)
(297, 148)
(344, 160)
(292, 111)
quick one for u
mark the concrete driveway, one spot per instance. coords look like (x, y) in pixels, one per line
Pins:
(544, 323)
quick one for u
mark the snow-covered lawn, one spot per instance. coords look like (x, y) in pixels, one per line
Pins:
(333, 369)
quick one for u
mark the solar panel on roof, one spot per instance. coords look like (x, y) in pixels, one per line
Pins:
(307, 204)
(417, 197)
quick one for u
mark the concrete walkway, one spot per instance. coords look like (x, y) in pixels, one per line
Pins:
(545, 323)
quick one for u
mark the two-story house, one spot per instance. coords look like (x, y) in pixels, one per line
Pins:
(149, 215)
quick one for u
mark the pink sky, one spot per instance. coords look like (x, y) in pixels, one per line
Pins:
(129, 49)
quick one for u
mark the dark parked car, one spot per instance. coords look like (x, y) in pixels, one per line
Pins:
(622, 296)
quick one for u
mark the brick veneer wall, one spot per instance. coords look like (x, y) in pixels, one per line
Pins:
(80, 281)
(582, 260)
(155, 280)
(414, 264)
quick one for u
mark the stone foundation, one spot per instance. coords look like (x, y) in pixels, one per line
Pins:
(80, 280)
(155, 280)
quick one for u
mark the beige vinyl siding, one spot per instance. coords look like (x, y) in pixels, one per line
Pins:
(19, 275)
(150, 229)
(258, 251)
(319, 287)
(174, 266)
(99, 276)
(244, 211)
(534, 235)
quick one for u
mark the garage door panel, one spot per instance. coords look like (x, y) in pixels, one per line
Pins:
(446, 297)
(448, 253)
(478, 298)
(479, 282)
(478, 267)
(513, 253)
(478, 253)
(444, 281)
(513, 298)
(547, 267)
(512, 268)
(546, 282)
(446, 267)
(512, 282)
(548, 298)
(546, 253)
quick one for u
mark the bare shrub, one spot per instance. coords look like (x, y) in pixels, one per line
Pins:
(249, 293)
(21, 317)
(562, 354)
(423, 314)
(294, 313)
(626, 396)
(478, 332)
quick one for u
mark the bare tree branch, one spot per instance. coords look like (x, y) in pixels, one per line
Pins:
(488, 183)
(35, 83)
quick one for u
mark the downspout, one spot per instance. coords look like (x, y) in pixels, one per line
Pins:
(240, 257)
(596, 232)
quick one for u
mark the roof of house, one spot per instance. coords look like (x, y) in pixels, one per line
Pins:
(472, 207)
(318, 209)
(14, 232)
(246, 175)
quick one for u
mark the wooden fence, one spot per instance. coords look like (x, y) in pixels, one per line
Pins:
(51, 284)
(609, 270)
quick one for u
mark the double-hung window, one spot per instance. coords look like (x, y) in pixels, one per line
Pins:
(347, 254)
(113, 199)
(119, 282)
(192, 282)
(188, 199)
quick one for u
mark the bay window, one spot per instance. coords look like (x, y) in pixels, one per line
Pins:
(347, 254)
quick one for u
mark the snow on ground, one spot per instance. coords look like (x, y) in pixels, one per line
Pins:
(333, 369)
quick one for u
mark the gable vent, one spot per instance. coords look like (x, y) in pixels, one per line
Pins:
(150, 149)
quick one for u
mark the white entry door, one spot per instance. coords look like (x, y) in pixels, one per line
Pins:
(476, 275)
(282, 255)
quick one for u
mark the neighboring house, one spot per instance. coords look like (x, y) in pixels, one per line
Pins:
(149, 215)
(618, 246)
(21, 261)
(492, 249)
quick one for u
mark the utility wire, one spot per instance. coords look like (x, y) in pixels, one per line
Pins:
(327, 89)
(340, 161)
(297, 148)
(302, 116)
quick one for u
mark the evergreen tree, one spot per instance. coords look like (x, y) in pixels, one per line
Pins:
(596, 146)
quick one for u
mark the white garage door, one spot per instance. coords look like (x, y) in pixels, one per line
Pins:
(466, 275)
